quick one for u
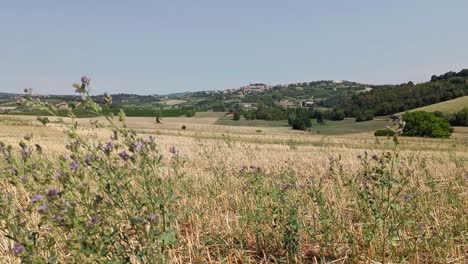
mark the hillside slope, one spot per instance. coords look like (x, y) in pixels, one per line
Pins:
(450, 106)
(392, 99)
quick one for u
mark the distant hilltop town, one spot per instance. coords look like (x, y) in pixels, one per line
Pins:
(255, 88)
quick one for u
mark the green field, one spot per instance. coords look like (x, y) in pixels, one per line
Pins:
(450, 106)
(347, 126)
(208, 114)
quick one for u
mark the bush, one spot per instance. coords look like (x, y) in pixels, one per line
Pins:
(364, 116)
(236, 116)
(424, 124)
(301, 123)
(384, 133)
(460, 118)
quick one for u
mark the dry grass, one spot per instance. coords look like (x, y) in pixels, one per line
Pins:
(213, 190)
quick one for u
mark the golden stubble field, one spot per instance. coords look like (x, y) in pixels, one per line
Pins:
(215, 157)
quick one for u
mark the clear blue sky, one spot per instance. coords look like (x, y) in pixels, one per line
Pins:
(148, 47)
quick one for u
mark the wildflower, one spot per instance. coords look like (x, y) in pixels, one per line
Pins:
(136, 146)
(285, 187)
(52, 193)
(107, 148)
(18, 249)
(20, 101)
(153, 218)
(85, 80)
(174, 151)
(88, 160)
(74, 165)
(24, 178)
(124, 155)
(59, 174)
(43, 208)
(107, 99)
(94, 220)
(83, 97)
(36, 198)
(25, 151)
(58, 217)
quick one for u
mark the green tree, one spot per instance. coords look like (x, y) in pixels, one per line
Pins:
(236, 116)
(460, 118)
(424, 124)
(300, 122)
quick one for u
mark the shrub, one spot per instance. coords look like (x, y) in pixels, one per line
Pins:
(301, 123)
(184, 127)
(364, 116)
(424, 124)
(236, 116)
(384, 133)
(460, 118)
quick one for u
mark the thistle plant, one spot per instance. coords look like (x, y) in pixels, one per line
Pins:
(101, 201)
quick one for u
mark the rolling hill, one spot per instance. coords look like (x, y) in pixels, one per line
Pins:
(450, 106)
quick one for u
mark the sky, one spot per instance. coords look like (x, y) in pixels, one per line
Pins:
(161, 47)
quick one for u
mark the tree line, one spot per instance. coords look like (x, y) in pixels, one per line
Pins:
(391, 99)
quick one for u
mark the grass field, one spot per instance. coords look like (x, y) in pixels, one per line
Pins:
(227, 121)
(450, 106)
(229, 194)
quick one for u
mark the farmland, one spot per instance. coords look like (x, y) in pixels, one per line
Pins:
(242, 194)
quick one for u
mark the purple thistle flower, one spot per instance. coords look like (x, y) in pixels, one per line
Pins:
(88, 160)
(43, 208)
(83, 97)
(18, 249)
(58, 217)
(124, 155)
(52, 193)
(285, 187)
(36, 198)
(74, 165)
(136, 146)
(25, 151)
(173, 150)
(153, 218)
(107, 148)
(59, 174)
(85, 80)
(92, 221)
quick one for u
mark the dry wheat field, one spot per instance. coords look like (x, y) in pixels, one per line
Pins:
(156, 193)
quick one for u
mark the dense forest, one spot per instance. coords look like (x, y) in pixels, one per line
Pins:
(394, 99)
